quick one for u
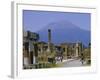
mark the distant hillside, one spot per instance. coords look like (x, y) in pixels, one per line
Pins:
(64, 32)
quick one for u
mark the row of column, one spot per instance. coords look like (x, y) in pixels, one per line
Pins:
(77, 50)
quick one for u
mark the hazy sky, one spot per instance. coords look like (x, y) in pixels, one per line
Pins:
(35, 20)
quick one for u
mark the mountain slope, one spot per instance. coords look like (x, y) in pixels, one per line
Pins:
(64, 32)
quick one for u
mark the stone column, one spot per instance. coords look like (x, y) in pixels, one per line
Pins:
(25, 58)
(49, 40)
(77, 50)
(34, 60)
(66, 50)
(41, 47)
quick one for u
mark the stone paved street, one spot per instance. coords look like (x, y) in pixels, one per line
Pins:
(72, 63)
